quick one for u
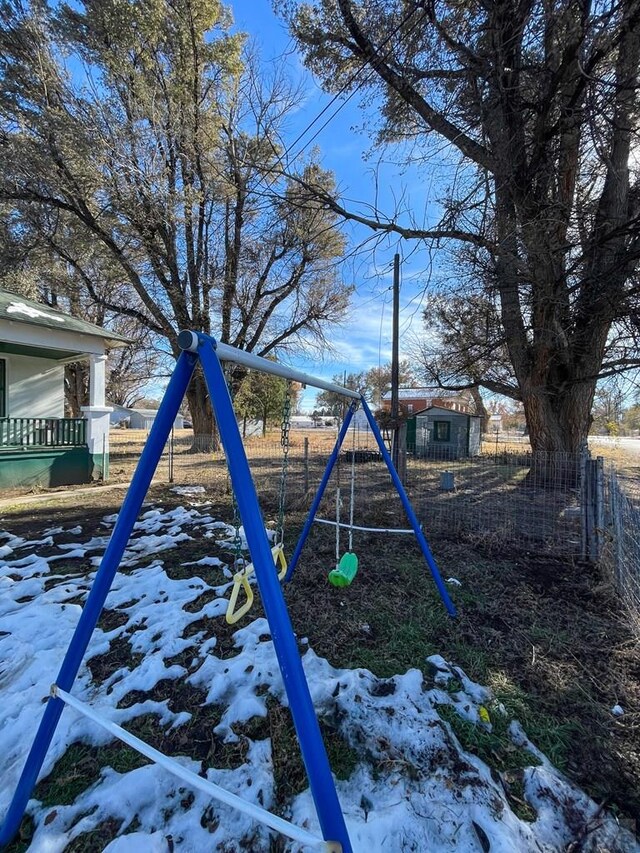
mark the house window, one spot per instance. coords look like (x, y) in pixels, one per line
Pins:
(410, 407)
(441, 430)
(3, 388)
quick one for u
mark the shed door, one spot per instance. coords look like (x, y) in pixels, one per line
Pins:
(411, 432)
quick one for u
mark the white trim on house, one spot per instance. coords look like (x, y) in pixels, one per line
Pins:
(38, 341)
(15, 332)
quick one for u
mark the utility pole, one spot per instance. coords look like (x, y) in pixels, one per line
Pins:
(395, 366)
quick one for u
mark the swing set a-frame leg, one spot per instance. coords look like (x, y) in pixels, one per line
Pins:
(413, 520)
(404, 498)
(312, 748)
(99, 590)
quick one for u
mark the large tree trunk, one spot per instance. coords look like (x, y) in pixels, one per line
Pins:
(76, 376)
(481, 409)
(559, 423)
(205, 428)
(558, 429)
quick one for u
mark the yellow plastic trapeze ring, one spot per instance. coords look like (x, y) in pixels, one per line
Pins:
(277, 553)
(241, 580)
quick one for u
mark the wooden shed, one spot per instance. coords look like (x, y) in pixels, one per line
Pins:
(444, 434)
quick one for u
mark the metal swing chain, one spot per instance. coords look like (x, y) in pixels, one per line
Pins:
(285, 426)
(338, 502)
(238, 557)
(353, 483)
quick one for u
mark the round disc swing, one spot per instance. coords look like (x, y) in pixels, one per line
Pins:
(347, 564)
(241, 577)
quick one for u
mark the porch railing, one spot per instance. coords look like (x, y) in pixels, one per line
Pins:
(43, 432)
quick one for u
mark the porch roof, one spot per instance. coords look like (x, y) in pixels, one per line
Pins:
(15, 308)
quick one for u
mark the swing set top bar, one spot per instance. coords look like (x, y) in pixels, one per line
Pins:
(189, 341)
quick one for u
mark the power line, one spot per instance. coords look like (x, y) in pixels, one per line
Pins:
(280, 158)
(288, 151)
(346, 85)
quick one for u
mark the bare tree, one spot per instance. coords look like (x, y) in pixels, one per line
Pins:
(539, 102)
(162, 152)
(378, 379)
(38, 259)
(464, 348)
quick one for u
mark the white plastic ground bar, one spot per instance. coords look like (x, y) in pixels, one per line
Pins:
(365, 529)
(193, 780)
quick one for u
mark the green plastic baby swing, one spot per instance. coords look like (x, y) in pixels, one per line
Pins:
(347, 565)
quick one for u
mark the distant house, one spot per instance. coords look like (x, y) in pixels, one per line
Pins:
(38, 445)
(495, 422)
(251, 428)
(133, 418)
(301, 422)
(442, 433)
(359, 420)
(313, 421)
(412, 400)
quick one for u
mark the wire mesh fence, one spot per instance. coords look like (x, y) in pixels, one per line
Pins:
(510, 499)
(621, 550)
(560, 505)
(513, 500)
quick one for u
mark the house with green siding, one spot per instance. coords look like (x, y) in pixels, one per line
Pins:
(39, 446)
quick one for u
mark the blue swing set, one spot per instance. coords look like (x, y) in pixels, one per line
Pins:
(198, 347)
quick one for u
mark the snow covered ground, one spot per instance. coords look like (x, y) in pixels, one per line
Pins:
(413, 789)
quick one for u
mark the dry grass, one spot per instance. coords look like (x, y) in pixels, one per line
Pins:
(625, 457)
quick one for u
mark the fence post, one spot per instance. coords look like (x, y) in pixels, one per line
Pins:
(616, 526)
(584, 503)
(401, 434)
(593, 508)
(306, 465)
(105, 459)
(171, 451)
(599, 506)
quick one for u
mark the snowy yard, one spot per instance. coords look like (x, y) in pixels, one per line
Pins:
(164, 665)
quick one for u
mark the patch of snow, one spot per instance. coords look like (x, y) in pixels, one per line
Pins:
(33, 313)
(205, 561)
(71, 554)
(414, 788)
(188, 490)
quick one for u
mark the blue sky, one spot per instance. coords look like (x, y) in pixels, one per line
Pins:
(364, 340)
